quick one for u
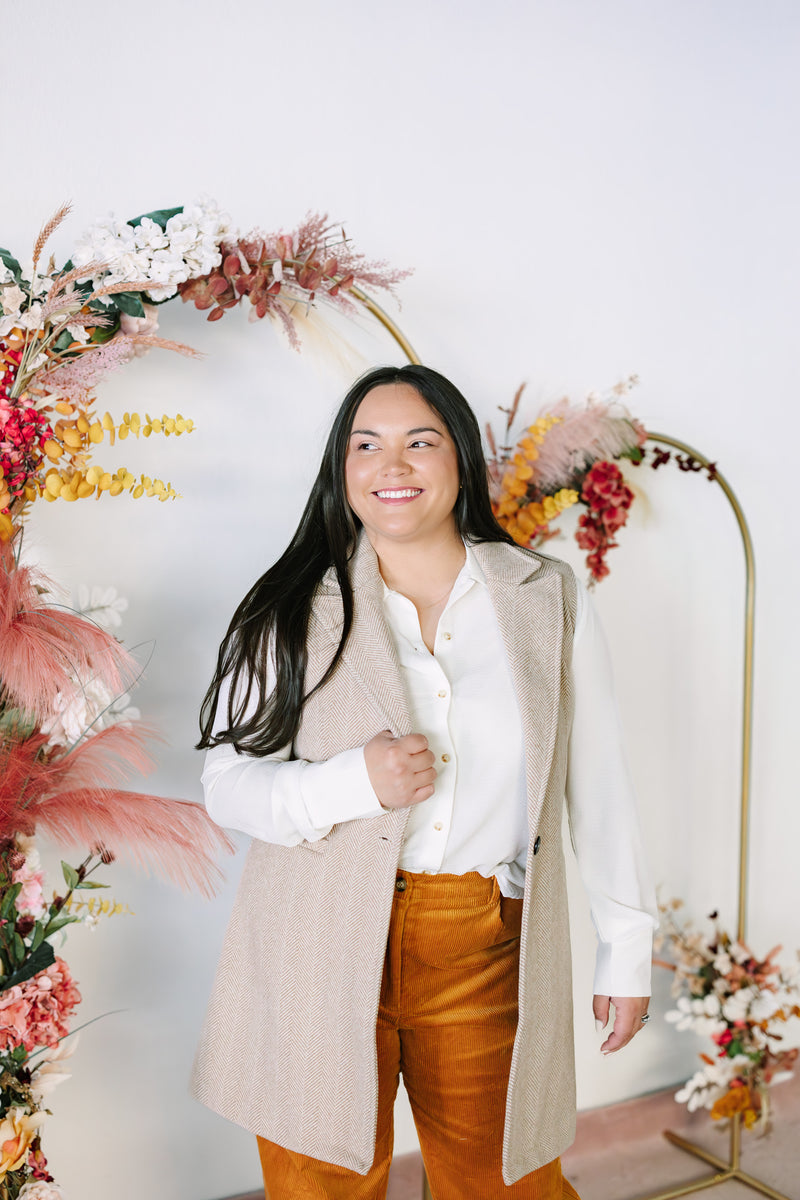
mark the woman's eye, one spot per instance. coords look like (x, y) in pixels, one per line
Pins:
(419, 442)
(366, 446)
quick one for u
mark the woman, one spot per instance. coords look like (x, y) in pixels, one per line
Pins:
(396, 716)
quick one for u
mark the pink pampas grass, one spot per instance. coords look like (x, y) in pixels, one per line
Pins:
(44, 648)
(599, 430)
(73, 797)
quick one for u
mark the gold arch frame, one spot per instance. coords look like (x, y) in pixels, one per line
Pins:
(730, 1169)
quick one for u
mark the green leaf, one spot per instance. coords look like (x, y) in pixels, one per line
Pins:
(63, 341)
(58, 923)
(10, 901)
(35, 962)
(18, 950)
(71, 876)
(9, 261)
(37, 937)
(90, 883)
(159, 215)
(16, 723)
(100, 334)
(128, 302)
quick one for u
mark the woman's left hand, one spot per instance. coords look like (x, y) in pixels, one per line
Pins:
(628, 1013)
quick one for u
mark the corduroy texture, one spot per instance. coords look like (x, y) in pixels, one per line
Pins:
(447, 1019)
(288, 1048)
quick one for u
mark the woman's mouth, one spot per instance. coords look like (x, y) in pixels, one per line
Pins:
(390, 494)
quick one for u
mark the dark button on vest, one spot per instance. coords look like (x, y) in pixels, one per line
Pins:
(537, 844)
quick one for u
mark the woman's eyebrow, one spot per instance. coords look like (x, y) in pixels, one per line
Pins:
(409, 432)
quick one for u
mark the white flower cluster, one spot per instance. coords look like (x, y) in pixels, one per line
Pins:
(712, 1082)
(701, 1014)
(39, 1189)
(186, 248)
(89, 706)
(87, 709)
(102, 605)
(709, 1015)
(19, 307)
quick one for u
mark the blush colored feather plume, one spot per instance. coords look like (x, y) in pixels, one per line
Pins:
(597, 431)
(79, 375)
(73, 798)
(43, 648)
(176, 838)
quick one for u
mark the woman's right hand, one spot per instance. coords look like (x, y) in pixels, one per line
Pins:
(401, 769)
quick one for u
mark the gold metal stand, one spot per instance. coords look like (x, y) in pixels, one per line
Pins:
(388, 324)
(730, 1169)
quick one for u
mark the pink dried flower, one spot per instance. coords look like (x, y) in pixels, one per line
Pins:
(30, 900)
(37, 1165)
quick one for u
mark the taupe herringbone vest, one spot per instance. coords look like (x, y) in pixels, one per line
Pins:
(288, 1046)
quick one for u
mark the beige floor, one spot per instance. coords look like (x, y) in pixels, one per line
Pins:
(620, 1153)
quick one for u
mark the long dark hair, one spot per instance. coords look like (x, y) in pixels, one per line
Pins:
(274, 615)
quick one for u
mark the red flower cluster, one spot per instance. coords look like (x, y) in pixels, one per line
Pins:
(609, 498)
(35, 1012)
(23, 433)
(9, 364)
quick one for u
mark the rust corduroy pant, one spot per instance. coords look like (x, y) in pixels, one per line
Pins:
(447, 1019)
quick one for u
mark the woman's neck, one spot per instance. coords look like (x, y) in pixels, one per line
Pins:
(425, 573)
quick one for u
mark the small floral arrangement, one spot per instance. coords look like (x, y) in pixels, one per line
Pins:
(563, 459)
(567, 457)
(62, 330)
(742, 1003)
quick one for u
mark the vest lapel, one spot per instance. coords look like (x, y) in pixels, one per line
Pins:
(527, 599)
(370, 652)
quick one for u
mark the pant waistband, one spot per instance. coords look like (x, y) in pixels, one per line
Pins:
(451, 891)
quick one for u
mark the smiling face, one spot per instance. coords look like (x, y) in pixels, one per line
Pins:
(401, 468)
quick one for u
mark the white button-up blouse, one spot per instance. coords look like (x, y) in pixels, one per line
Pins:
(462, 699)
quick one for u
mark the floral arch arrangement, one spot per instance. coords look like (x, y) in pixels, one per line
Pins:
(68, 736)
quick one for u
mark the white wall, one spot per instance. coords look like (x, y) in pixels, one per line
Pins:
(584, 190)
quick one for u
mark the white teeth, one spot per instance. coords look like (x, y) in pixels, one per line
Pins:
(398, 493)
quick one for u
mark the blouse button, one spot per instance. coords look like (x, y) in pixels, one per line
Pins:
(441, 694)
(438, 826)
(445, 758)
(447, 636)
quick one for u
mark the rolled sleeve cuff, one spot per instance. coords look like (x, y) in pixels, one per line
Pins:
(623, 968)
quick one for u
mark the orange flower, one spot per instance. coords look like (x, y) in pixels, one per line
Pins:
(17, 1131)
(736, 1100)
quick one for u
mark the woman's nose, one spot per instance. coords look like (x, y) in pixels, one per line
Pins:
(395, 463)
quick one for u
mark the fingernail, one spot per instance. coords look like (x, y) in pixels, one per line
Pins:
(599, 1025)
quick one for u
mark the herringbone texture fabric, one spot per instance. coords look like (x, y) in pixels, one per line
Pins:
(446, 1021)
(288, 1048)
